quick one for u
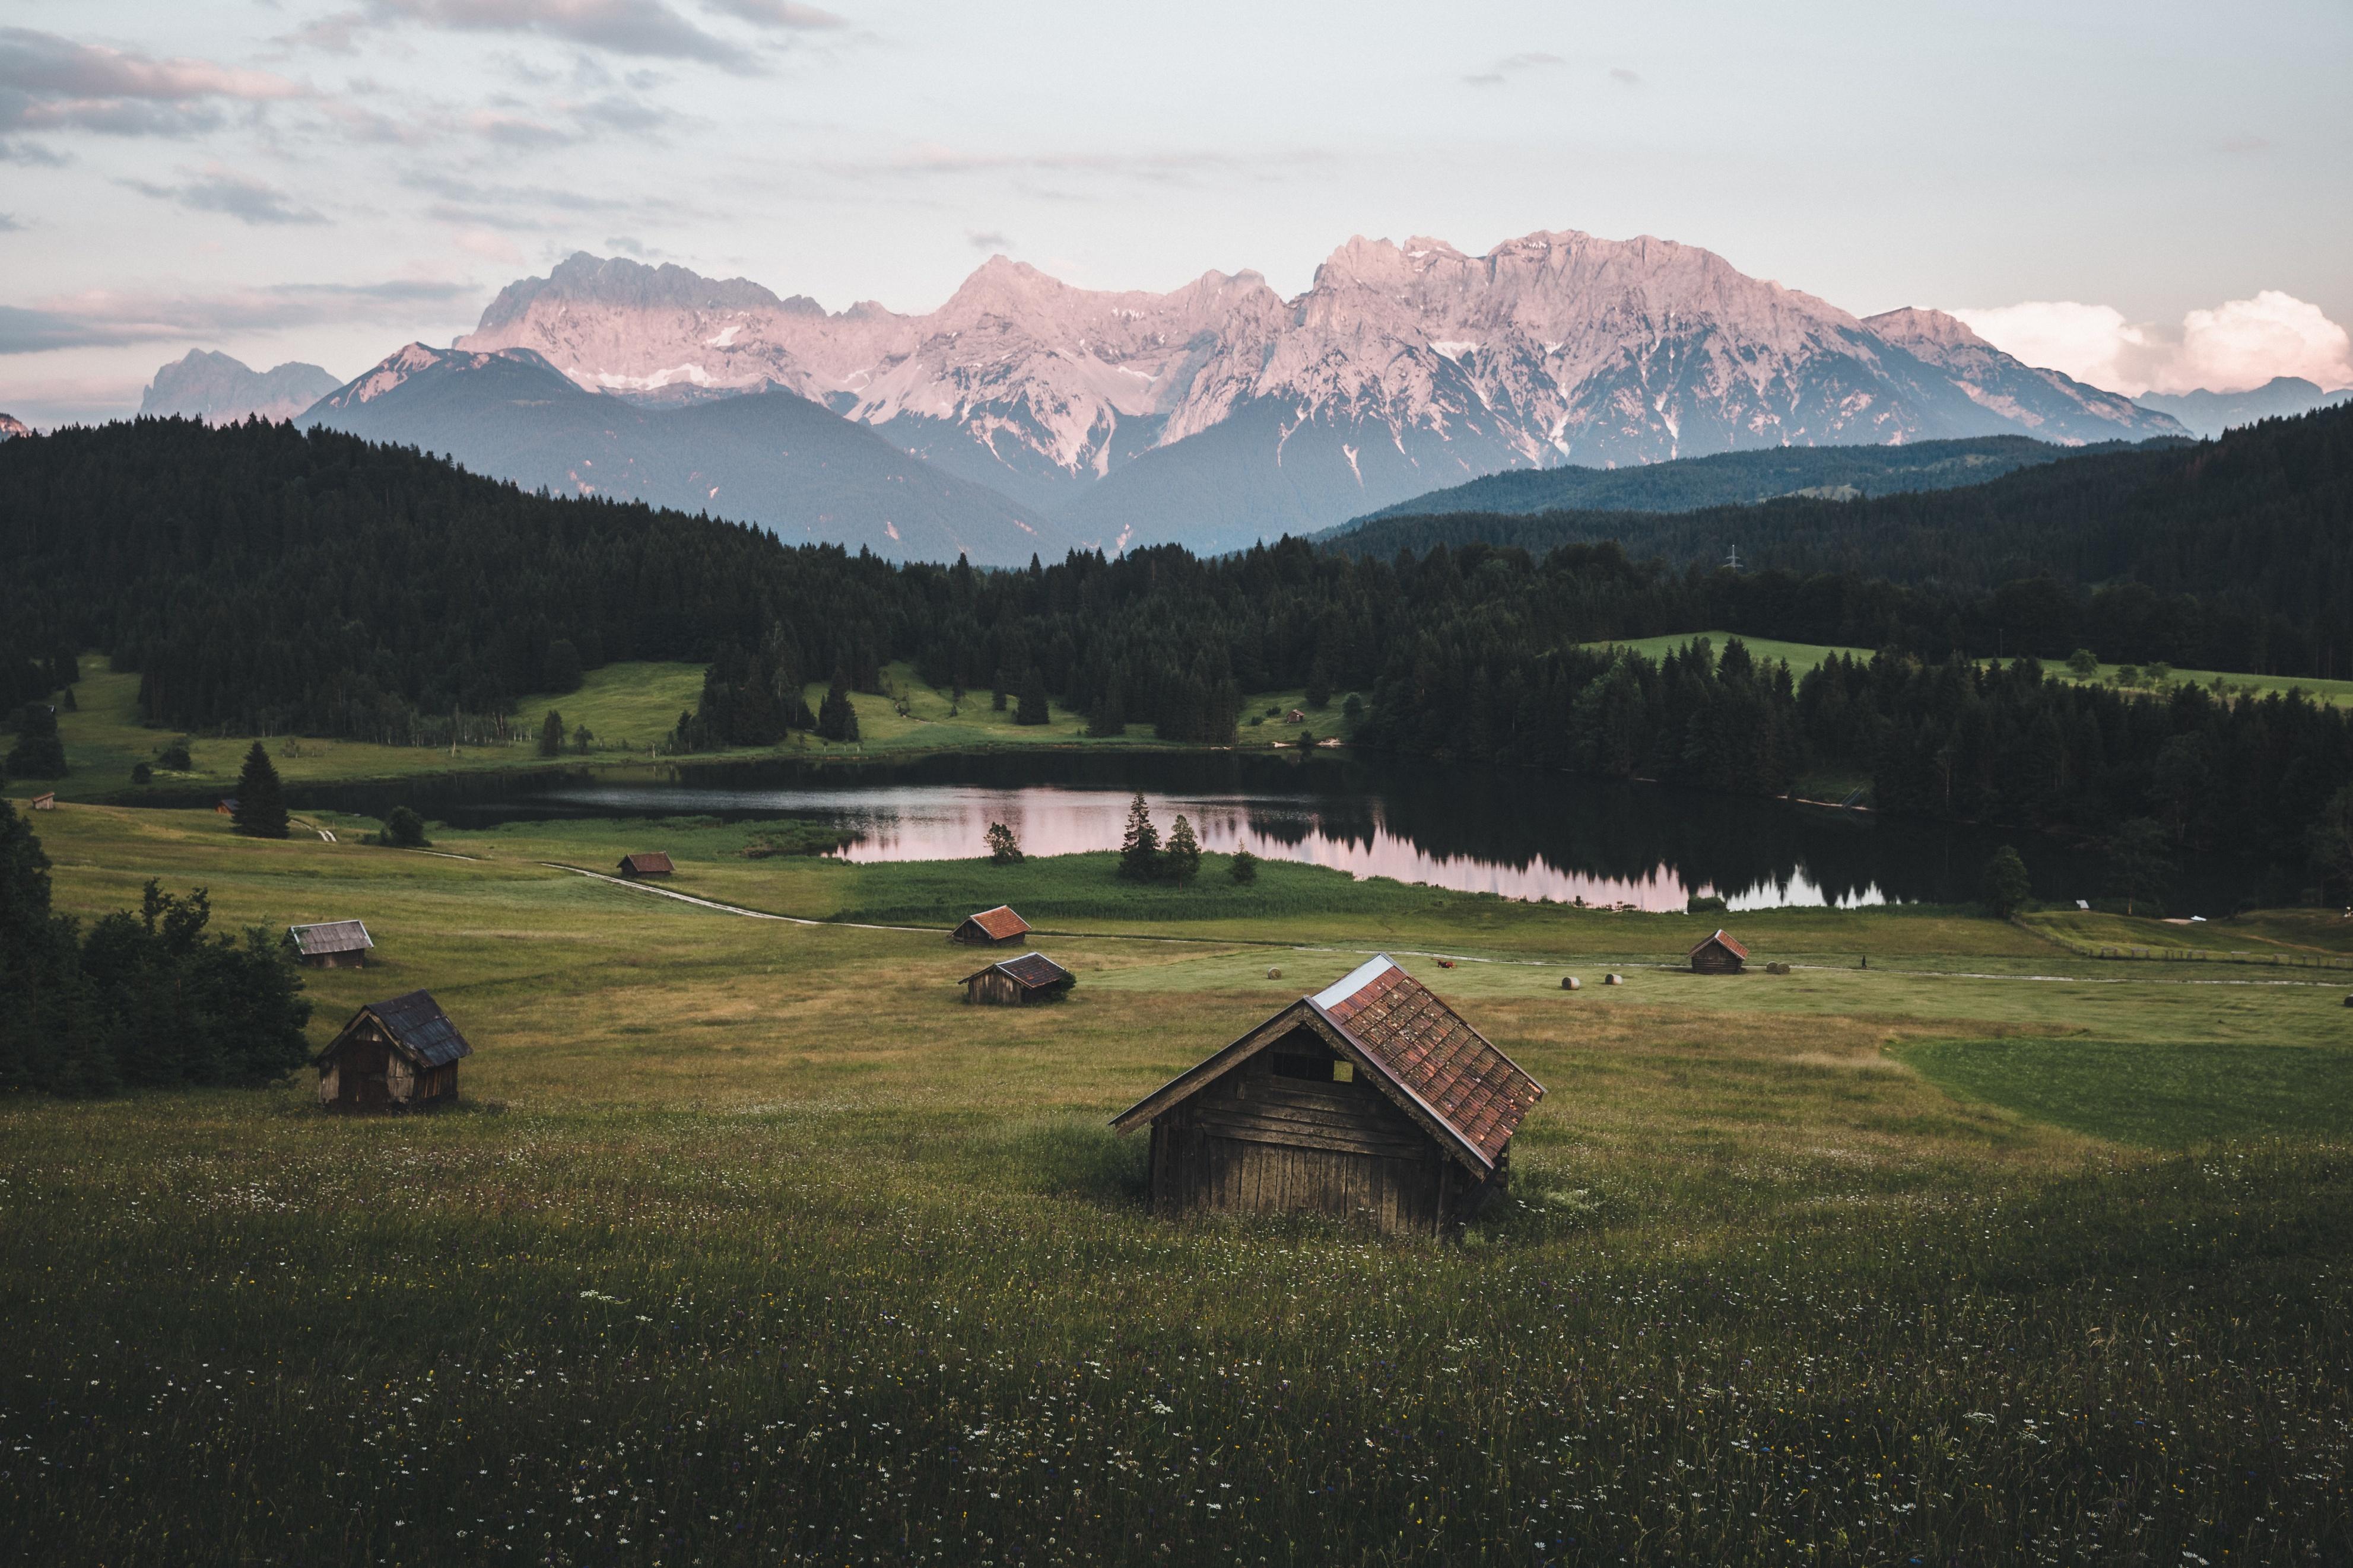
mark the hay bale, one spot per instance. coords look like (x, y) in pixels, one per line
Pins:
(1613, 980)
(1570, 982)
(1274, 975)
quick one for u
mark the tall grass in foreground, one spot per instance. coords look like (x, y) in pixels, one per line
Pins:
(847, 1333)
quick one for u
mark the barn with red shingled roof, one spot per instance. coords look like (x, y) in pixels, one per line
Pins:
(1371, 1101)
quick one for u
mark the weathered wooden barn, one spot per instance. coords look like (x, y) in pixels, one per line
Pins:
(46, 800)
(647, 863)
(1371, 1099)
(400, 1055)
(990, 928)
(1718, 954)
(1017, 982)
(330, 944)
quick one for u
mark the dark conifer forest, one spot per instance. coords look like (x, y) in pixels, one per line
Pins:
(263, 580)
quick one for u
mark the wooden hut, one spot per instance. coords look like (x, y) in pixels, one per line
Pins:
(647, 863)
(400, 1055)
(46, 800)
(1371, 1099)
(1718, 954)
(330, 944)
(990, 928)
(1017, 982)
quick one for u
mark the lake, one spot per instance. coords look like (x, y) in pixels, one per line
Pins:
(1519, 835)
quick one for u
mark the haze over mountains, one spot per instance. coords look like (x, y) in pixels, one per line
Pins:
(1024, 414)
(216, 388)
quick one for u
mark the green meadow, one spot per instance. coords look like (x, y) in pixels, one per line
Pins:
(628, 709)
(748, 1243)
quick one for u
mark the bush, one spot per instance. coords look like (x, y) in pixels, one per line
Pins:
(1704, 904)
(142, 774)
(1243, 868)
(175, 757)
(2005, 889)
(402, 829)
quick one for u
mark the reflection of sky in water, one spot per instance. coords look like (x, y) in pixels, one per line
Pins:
(947, 822)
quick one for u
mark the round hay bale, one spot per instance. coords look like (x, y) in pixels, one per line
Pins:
(2349, 1001)
(1570, 982)
(1274, 975)
(1613, 980)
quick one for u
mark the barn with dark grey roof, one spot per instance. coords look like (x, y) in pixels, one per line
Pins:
(398, 1054)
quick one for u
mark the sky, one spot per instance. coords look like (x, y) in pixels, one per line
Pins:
(2149, 195)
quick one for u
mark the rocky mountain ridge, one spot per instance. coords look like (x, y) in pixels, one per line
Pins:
(1402, 369)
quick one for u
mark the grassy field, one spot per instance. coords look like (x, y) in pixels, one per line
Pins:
(1800, 657)
(750, 1244)
(628, 708)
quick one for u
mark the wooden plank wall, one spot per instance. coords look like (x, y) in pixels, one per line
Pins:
(1263, 1142)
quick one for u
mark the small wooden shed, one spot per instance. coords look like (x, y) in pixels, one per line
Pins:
(46, 800)
(990, 928)
(1718, 954)
(330, 944)
(647, 863)
(400, 1055)
(1017, 982)
(1371, 1099)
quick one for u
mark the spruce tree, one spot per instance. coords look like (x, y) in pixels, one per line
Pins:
(1182, 861)
(1033, 709)
(261, 802)
(39, 753)
(1243, 868)
(1139, 851)
(550, 734)
(837, 718)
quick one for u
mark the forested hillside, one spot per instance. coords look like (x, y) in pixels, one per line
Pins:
(262, 579)
(1740, 478)
(2230, 554)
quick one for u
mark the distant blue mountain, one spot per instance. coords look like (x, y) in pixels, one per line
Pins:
(2207, 413)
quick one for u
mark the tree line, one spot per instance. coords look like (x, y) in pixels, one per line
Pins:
(145, 998)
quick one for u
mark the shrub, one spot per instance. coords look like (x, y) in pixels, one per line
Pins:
(2005, 888)
(1243, 868)
(175, 757)
(1704, 904)
(2084, 664)
(402, 829)
(142, 774)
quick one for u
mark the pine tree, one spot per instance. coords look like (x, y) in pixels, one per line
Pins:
(1033, 709)
(837, 718)
(261, 802)
(1243, 868)
(1139, 851)
(550, 734)
(1182, 861)
(39, 753)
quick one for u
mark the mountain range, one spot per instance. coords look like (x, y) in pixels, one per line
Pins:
(214, 388)
(2211, 412)
(1024, 414)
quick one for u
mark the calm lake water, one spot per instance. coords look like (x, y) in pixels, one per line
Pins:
(1520, 835)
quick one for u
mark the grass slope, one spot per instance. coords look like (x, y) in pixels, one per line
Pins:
(628, 708)
(750, 1244)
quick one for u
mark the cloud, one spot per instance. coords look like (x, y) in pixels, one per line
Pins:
(1510, 66)
(218, 190)
(2235, 345)
(620, 26)
(105, 317)
(11, 224)
(53, 84)
(492, 246)
(987, 239)
(1620, 74)
(785, 14)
